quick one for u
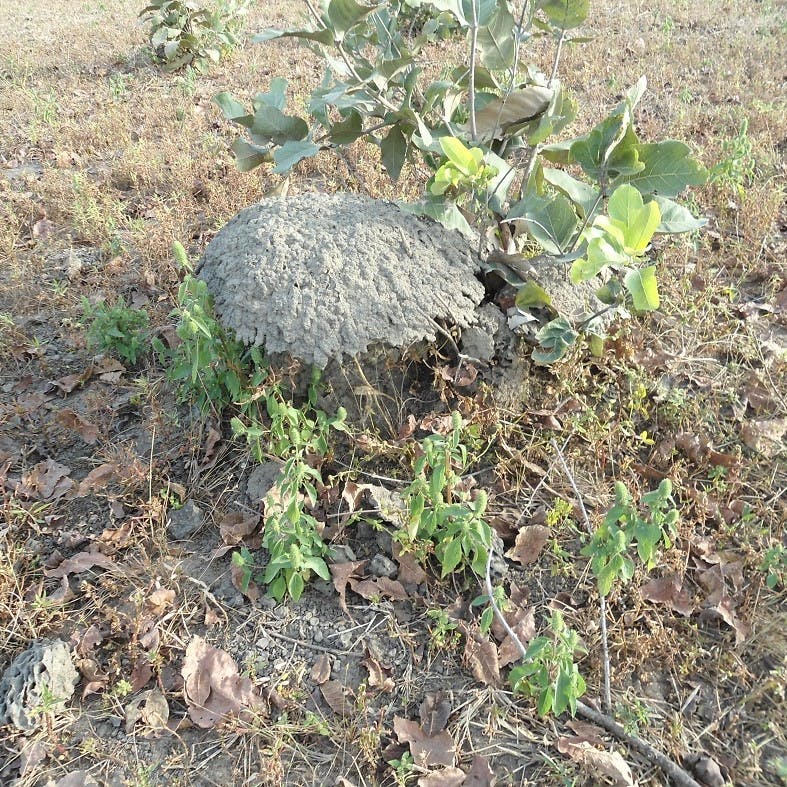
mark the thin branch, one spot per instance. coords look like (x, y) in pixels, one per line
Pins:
(471, 97)
(603, 614)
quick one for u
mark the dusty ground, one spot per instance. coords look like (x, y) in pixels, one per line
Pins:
(105, 160)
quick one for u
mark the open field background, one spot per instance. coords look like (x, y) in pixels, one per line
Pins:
(105, 160)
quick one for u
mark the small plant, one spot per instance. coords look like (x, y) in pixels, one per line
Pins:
(623, 526)
(488, 615)
(441, 511)
(443, 632)
(548, 672)
(774, 566)
(736, 170)
(403, 768)
(183, 32)
(117, 329)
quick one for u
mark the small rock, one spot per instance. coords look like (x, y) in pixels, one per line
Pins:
(382, 566)
(44, 668)
(341, 553)
(185, 521)
(262, 479)
(317, 636)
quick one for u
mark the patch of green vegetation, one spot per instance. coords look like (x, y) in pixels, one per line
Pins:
(117, 329)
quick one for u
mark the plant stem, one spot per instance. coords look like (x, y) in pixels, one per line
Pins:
(471, 97)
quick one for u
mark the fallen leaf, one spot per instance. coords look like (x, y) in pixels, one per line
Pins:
(725, 609)
(585, 731)
(438, 424)
(159, 601)
(410, 570)
(75, 779)
(766, 436)
(47, 481)
(598, 761)
(141, 673)
(236, 526)
(669, 590)
(528, 545)
(379, 587)
(97, 478)
(43, 228)
(334, 695)
(434, 712)
(321, 669)
(706, 770)
(31, 755)
(74, 421)
(480, 773)
(523, 624)
(480, 654)
(428, 751)
(341, 573)
(69, 382)
(242, 580)
(447, 777)
(82, 561)
(88, 640)
(213, 688)
(151, 708)
(378, 677)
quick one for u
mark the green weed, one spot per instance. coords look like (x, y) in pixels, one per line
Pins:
(117, 329)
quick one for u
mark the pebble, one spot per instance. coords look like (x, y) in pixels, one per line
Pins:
(382, 566)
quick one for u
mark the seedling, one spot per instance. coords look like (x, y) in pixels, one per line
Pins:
(117, 329)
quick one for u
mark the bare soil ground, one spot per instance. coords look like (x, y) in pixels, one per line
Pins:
(104, 161)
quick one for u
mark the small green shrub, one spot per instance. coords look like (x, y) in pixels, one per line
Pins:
(441, 511)
(548, 671)
(182, 32)
(117, 329)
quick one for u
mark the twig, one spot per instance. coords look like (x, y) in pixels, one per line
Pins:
(603, 615)
(471, 97)
(678, 775)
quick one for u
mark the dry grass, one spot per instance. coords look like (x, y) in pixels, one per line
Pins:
(122, 159)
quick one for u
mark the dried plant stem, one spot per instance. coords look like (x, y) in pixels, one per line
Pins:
(603, 613)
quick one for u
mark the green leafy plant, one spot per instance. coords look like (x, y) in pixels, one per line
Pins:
(443, 632)
(548, 672)
(117, 329)
(184, 32)
(441, 511)
(624, 526)
(482, 131)
(774, 566)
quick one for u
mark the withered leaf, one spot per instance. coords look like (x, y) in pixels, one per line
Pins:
(334, 695)
(524, 626)
(141, 673)
(598, 762)
(321, 669)
(378, 676)
(585, 731)
(480, 773)
(378, 587)
(410, 570)
(428, 751)
(341, 573)
(74, 421)
(213, 687)
(765, 435)
(445, 777)
(434, 712)
(48, 480)
(242, 580)
(82, 561)
(528, 545)
(480, 654)
(236, 526)
(669, 590)
(97, 478)
(151, 708)
(76, 779)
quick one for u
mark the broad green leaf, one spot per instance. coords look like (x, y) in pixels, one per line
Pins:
(291, 152)
(502, 116)
(272, 125)
(347, 131)
(393, 150)
(637, 221)
(565, 14)
(447, 213)
(275, 97)
(496, 194)
(496, 40)
(451, 557)
(643, 288)
(583, 195)
(461, 157)
(248, 157)
(232, 109)
(560, 112)
(549, 220)
(601, 251)
(555, 338)
(345, 14)
(321, 36)
(531, 294)
(295, 585)
(667, 169)
(563, 690)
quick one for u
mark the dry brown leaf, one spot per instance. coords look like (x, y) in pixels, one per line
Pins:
(379, 587)
(706, 770)
(74, 421)
(585, 731)
(159, 601)
(410, 571)
(669, 590)
(82, 561)
(43, 228)
(151, 708)
(765, 435)
(524, 626)
(378, 676)
(141, 673)
(321, 669)
(75, 779)
(725, 609)
(47, 481)
(236, 526)
(480, 773)
(446, 777)
(213, 687)
(480, 654)
(333, 693)
(428, 751)
(341, 574)
(97, 478)
(243, 582)
(434, 712)
(528, 545)
(598, 762)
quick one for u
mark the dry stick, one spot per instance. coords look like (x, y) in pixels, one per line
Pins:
(603, 615)
(679, 776)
